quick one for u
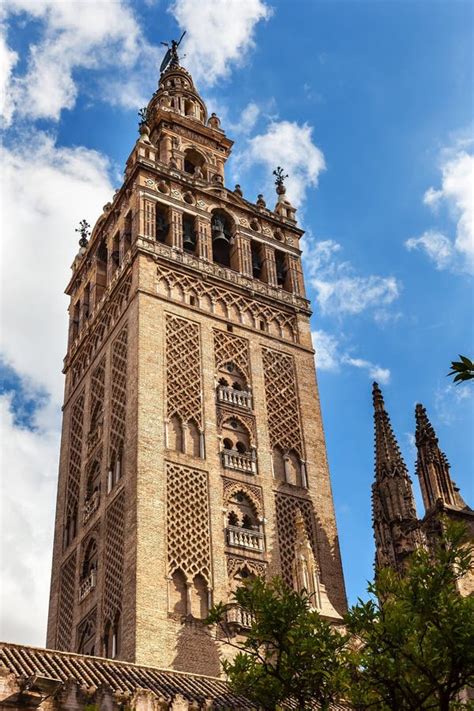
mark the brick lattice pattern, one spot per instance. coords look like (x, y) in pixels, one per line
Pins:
(187, 521)
(229, 348)
(183, 370)
(237, 308)
(286, 509)
(67, 591)
(119, 392)
(75, 457)
(282, 401)
(114, 556)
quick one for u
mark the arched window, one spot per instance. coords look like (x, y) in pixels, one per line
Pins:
(193, 445)
(194, 163)
(241, 447)
(227, 442)
(112, 638)
(89, 563)
(178, 593)
(175, 434)
(93, 480)
(189, 233)
(222, 237)
(86, 634)
(281, 269)
(162, 227)
(278, 465)
(293, 469)
(199, 598)
(242, 512)
(257, 260)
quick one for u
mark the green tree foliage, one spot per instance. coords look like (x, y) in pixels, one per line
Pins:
(462, 369)
(414, 641)
(290, 654)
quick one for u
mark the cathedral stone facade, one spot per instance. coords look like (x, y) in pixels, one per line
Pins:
(193, 452)
(397, 529)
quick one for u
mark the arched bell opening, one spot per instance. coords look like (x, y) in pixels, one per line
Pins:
(257, 260)
(222, 228)
(282, 272)
(189, 233)
(163, 224)
(194, 163)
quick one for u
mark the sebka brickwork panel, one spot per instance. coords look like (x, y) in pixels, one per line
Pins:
(183, 370)
(114, 556)
(75, 458)
(187, 521)
(282, 401)
(229, 348)
(287, 508)
(119, 393)
(67, 591)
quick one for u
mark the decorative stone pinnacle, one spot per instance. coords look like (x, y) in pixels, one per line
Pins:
(377, 397)
(280, 180)
(85, 232)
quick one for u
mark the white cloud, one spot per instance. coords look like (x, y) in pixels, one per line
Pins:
(382, 375)
(46, 191)
(339, 289)
(327, 350)
(73, 35)
(457, 193)
(29, 462)
(436, 245)
(8, 59)
(290, 145)
(330, 355)
(448, 400)
(248, 118)
(219, 34)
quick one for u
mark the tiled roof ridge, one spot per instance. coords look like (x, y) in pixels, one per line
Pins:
(106, 660)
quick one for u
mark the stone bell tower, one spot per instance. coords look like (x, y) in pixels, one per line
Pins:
(193, 452)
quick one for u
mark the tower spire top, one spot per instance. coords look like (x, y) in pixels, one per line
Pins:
(388, 458)
(393, 505)
(171, 58)
(432, 466)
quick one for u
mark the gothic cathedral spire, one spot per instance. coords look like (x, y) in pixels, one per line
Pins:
(432, 467)
(393, 506)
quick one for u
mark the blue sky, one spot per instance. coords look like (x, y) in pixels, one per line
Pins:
(367, 105)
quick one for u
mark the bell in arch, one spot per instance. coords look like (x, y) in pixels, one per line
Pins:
(189, 235)
(219, 231)
(162, 227)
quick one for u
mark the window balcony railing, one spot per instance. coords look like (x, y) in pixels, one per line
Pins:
(231, 396)
(91, 505)
(87, 585)
(240, 461)
(244, 538)
(236, 616)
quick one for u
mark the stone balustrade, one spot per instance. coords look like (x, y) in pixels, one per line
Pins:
(230, 396)
(87, 585)
(91, 505)
(244, 538)
(240, 461)
(235, 615)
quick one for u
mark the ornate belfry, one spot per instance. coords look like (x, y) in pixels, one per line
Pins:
(397, 529)
(193, 454)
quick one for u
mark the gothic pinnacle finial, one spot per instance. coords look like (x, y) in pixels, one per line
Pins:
(424, 428)
(377, 398)
(280, 180)
(85, 232)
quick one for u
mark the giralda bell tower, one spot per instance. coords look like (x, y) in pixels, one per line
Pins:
(193, 452)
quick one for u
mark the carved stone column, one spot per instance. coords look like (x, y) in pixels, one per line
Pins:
(148, 218)
(176, 229)
(269, 266)
(204, 238)
(295, 275)
(165, 149)
(242, 254)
